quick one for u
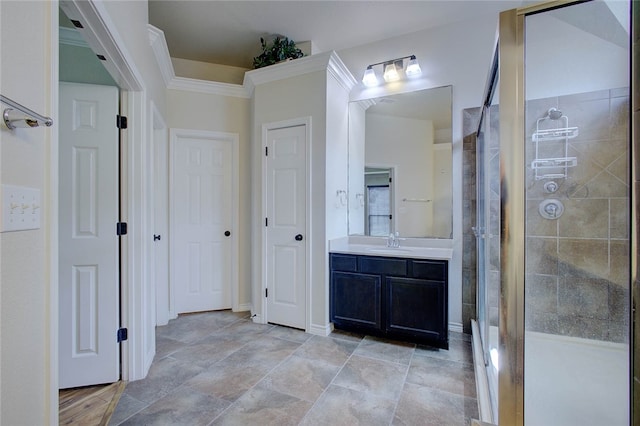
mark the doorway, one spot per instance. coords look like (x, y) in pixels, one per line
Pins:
(102, 38)
(378, 203)
(204, 210)
(286, 243)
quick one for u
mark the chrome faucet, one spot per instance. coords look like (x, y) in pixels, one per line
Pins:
(393, 240)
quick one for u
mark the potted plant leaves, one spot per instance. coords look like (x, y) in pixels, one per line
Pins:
(280, 49)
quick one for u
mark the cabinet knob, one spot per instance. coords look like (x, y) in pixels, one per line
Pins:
(156, 237)
(227, 233)
(299, 237)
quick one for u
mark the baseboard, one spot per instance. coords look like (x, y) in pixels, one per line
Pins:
(456, 326)
(320, 330)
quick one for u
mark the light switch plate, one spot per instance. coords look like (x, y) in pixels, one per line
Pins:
(21, 207)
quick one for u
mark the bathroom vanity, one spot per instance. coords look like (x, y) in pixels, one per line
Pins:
(399, 293)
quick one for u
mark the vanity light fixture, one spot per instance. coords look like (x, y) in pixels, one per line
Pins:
(392, 70)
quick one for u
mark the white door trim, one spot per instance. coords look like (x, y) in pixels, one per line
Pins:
(234, 139)
(266, 127)
(51, 205)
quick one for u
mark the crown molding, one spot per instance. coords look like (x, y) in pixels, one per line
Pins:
(71, 37)
(328, 61)
(296, 67)
(339, 70)
(161, 52)
(209, 87)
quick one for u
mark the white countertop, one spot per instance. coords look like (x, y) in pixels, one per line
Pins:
(409, 248)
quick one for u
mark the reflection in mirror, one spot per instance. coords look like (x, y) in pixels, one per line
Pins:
(400, 165)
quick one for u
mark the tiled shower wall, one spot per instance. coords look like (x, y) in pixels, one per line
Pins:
(469, 281)
(577, 274)
(470, 126)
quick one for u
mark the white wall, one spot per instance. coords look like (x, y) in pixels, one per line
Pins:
(198, 111)
(356, 168)
(206, 71)
(336, 166)
(26, 283)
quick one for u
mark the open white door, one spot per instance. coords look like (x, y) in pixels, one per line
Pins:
(203, 241)
(88, 244)
(286, 205)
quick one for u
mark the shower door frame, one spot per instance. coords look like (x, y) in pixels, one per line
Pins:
(512, 205)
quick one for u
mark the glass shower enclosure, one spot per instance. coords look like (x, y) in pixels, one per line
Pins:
(553, 222)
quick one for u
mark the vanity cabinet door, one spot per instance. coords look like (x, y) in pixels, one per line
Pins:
(355, 300)
(416, 308)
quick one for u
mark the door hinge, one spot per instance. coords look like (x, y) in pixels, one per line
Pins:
(266, 292)
(121, 121)
(121, 228)
(266, 151)
(390, 180)
(122, 334)
(390, 216)
(266, 221)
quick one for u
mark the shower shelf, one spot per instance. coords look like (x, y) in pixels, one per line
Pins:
(547, 142)
(555, 134)
(547, 163)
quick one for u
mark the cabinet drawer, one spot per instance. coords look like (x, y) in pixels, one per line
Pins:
(429, 269)
(382, 265)
(344, 262)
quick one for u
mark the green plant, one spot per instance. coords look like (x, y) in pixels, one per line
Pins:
(279, 50)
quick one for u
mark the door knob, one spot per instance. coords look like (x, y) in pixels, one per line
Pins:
(227, 233)
(156, 237)
(299, 237)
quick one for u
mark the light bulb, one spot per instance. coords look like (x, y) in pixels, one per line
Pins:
(413, 68)
(369, 79)
(391, 73)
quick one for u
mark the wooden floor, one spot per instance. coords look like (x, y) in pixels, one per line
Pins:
(88, 406)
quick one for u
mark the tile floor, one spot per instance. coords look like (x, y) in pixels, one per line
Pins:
(219, 368)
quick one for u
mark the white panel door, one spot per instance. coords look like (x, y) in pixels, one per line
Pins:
(201, 222)
(286, 226)
(88, 244)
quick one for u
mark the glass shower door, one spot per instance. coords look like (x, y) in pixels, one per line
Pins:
(488, 245)
(577, 189)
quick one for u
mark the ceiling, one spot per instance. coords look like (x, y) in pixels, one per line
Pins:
(228, 32)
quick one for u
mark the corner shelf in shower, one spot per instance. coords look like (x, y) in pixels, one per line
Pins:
(553, 167)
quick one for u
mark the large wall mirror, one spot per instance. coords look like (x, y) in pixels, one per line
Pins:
(400, 165)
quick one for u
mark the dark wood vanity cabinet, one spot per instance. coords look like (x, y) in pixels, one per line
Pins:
(390, 297)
